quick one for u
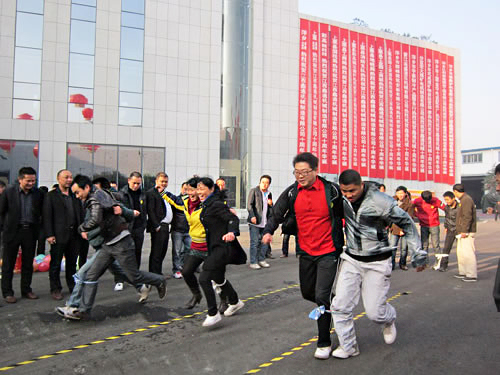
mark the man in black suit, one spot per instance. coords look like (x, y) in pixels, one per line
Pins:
(159, 219)
(21, 211)
(61, 217)
(134, 198)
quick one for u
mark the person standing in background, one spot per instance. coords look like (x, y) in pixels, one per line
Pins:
(259, 204)
(403, 198)
(2, 190)
(450, 228)
(466, 232)
(21, 213)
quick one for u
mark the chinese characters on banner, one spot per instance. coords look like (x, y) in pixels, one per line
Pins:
(382, 107)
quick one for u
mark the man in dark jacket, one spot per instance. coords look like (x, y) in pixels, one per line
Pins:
(312, 210)
(134, 198)
(496, 286)
(159, 218)
(450, 227)
(181, 242)
(466, 232)
(21, 212)
(61, 217)
(403, 199)
(116, 244)
(259, 204)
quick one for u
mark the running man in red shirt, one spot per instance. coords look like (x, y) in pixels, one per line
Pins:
(311, 209)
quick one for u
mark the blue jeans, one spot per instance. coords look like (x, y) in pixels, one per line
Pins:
(80, 277)
(257, 248)
(181, 243)
(394, 242)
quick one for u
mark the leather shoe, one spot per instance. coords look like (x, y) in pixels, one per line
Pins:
(57, 295)
(10, 299)
(404, 268)
(193, 301)
(30, 295)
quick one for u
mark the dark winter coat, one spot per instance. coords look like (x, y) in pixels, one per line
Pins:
(55, 218)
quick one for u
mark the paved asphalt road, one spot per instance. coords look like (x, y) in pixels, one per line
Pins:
(445, 326)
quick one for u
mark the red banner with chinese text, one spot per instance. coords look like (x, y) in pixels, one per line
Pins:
(422, 116)
(335, 95)
(451, 121)
(414, 138)
(302, 139)
(344, 99)
(444, 118)
(314, 56)
(398, 110)
(429, 73)
(405, 53)
(391, 160)
(380, 98)
(356, 100)
(324, 110)
(438, 123)
(372, 130)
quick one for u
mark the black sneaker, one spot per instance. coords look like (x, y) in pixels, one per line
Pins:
(469, 279)
(162, 289)
(458, 276)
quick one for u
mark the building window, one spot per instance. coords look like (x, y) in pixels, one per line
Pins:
(14, 155)
(131, 63)
(28, 60)
(116, 162)
(472, 158)
(81, 61)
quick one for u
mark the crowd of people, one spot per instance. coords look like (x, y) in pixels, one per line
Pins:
(348, 232)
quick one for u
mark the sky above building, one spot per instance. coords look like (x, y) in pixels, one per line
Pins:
(470, 26)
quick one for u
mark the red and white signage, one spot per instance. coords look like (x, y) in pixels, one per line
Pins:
(384, 108)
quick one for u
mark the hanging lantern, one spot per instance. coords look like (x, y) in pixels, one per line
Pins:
(7, 146)
(24, 116)
(35, 151)
(88, 113)
(78, 100)
(69, 151)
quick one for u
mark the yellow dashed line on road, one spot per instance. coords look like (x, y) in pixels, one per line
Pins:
(135, 331)
(308, 342)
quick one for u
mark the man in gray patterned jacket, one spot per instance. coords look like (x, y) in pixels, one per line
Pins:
(366, 263)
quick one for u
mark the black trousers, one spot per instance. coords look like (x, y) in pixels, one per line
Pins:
(316, 275)
(159, 244)
(26, 238)
(217, 273)
(40, 247)
(286, 243)
(138, 238)
(191, 263)
(57, 251)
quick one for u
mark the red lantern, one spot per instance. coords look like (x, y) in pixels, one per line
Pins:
(78, 100)
(7, 146)
(25, 116)
(69, 151)
(88, 113)
(35, 151)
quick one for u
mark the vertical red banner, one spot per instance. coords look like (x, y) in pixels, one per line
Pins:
(363, 137)
(380, 93)
(422, 116)
(372, 130)
(335, 93)
(398, 111)
(405, 53)
(314, 55)
(414, 138)
(429, 95)
(324, 81)
(451, 121)
(391, 161)
(354, 133)
(444, 118)
(302, 139)
(436, 56)
(344, 99)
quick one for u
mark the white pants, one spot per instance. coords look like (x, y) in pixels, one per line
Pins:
(372, 280)
(466, 256)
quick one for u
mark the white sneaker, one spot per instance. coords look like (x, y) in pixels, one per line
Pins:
(323, 353)
(264, 264)
(178, 275)
(144, 293)
(118, 287)
(62, 311)
(389, 332)
(211, 320)
(341, 353)
(255, 266)
(233, 308)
